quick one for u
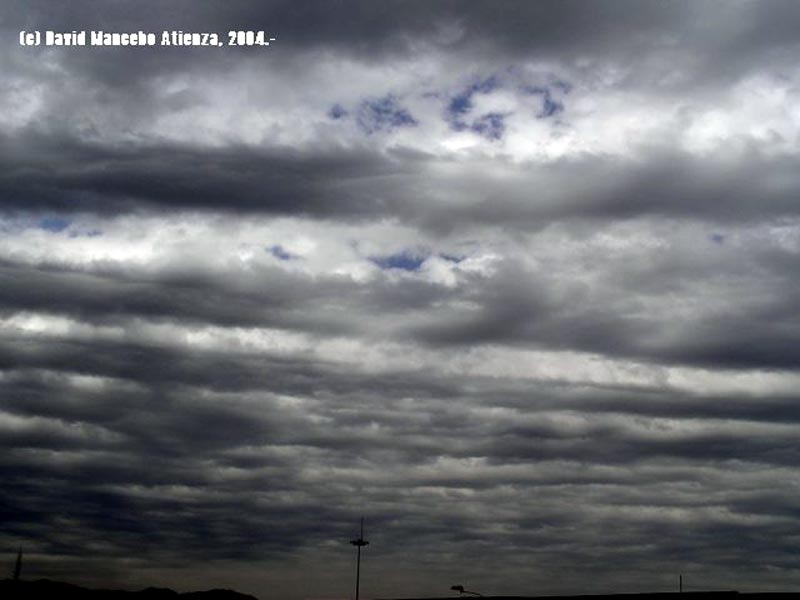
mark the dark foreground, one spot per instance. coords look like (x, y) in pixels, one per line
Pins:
(57, 590)
(721, 595)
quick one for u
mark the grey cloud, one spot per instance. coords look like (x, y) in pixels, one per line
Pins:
(63, 173)
(520, 307)
(623, 30)
(626, 314)
(194, 505)
(59, 172)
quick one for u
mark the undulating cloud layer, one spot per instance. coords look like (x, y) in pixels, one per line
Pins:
(516, 281)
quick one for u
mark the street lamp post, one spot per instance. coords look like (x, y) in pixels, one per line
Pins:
(358, 544)
(460, 589)
(18, 565)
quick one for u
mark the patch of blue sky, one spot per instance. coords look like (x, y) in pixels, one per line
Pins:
(452, 258)
(405, 261)
(457, 113)
(337, 111)
(47, 222)
(461, 103)
(54, 224)
(550, 106)
(488, 85)
(491, 126)
(383, 114)
(278, 252)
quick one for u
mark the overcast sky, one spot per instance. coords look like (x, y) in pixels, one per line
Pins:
(517, 281)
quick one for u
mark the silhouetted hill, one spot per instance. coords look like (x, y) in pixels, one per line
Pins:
(59, 590)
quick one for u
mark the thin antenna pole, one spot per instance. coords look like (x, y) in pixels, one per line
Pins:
(358, 560)
(680, 583)
(358, 544)
(18, 566)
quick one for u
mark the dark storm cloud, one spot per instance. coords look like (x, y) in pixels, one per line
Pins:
(44, 172)
(166, 415)
(54, 172)
(754, 187)
(749, 32)
(52, 165)
(261, 296)
(246, 489)
(506, 308)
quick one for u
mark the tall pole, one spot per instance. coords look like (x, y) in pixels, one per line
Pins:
(18, 566)
(358, 544)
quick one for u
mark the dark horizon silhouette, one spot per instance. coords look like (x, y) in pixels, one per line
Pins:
(59, 590)
(517, 281)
